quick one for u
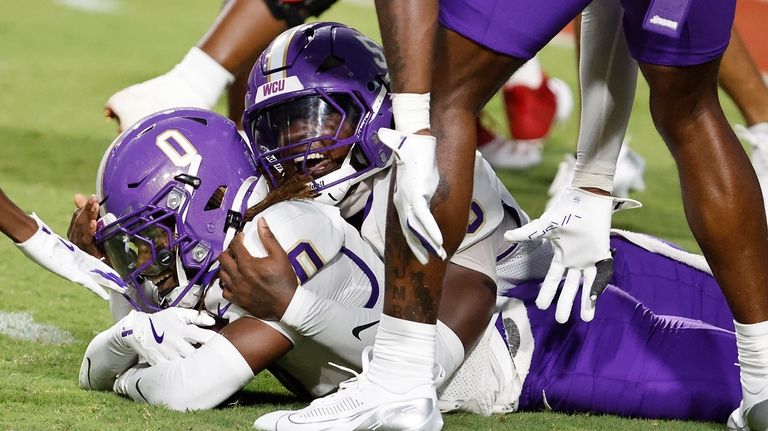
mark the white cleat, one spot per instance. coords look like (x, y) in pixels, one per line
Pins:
(360, 404)
(509, 154)
(196, 82)
(754, 418)
(171, 90)
(757, 137)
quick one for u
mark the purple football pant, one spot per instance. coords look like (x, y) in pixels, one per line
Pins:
(522, 28)
(632, 360)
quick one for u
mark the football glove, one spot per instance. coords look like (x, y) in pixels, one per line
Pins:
(63, 258)
(415, 182)
(578, 226)
(163, 336)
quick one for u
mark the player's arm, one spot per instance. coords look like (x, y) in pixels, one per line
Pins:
(43, 246)
(607, 79)
(140, 337)
(210, 375)
(408, 30)
(578, 224)
(14, 222)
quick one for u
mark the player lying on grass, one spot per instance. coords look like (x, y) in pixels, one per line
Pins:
(510, 381)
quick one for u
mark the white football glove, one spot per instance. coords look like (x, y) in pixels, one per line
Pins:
(415, 183)
(63, 258)
(578, 226)
(165, 335)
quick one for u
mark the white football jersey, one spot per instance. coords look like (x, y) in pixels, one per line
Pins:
(330, 259)
(492, 211)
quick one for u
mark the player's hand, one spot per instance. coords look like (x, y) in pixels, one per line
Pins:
(164, 336)
(65, 259)
(82, 226)
(415, 182)
(263, 286)
(578, 226)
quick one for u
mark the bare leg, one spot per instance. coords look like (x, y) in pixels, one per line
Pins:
(720, 189)
(241, 31)
(741, 79)
(414, 290)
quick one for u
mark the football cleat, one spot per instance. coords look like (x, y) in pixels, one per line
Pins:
(196, 82)
(757, 137)
(506, 153)
(133, 103)
(754, 418)
(359, 404)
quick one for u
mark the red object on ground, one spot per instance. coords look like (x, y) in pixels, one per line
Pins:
(530, 111)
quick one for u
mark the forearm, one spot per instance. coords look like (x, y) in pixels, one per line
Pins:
(202, 380)
(104, 359)
(608, 77)
(14, 222)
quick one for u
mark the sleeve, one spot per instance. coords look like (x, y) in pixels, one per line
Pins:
(344, 329)
(608, 78)
(104, 359)
(201, 381)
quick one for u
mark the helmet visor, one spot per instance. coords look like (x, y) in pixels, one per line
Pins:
(310, 135)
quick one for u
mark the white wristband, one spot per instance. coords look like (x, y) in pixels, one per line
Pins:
(411, 111)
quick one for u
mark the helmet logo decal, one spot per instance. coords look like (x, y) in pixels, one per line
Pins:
(377, 54)
(280, 86)
(169, 141)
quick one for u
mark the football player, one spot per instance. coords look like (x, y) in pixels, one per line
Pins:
(481, 42)
(320, 112)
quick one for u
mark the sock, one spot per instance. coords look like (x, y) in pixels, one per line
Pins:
(752, 344)
(403, 354)
(204, 74)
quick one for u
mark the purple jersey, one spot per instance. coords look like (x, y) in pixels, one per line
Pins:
(520, 29)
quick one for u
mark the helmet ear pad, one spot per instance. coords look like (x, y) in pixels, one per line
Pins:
(339, 66)
(182, 165)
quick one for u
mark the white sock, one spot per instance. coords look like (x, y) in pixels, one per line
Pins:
(403, 354)
(207, 77)
(752, 344)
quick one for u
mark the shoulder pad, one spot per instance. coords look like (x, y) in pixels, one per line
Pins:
(310, 232)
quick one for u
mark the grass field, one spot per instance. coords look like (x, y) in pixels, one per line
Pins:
(58, 65)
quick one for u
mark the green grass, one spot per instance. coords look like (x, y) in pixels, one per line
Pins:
(57, 68)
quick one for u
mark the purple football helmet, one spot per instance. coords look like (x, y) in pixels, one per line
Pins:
(174, 190)
(316, 98)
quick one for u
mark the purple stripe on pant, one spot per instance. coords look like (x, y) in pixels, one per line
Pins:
(631, 361)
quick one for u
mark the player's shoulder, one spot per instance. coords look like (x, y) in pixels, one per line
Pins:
(310, 232)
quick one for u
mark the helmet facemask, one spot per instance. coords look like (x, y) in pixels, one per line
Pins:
(316, 135)
(150, 249)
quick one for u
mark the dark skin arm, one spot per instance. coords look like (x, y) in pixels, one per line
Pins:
(260, 344)
(263, 286)
(14, 222)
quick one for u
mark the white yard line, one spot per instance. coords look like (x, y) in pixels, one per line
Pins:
(95, 6)
(21, 326)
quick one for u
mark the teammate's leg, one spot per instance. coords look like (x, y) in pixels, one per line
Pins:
(241, 31)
